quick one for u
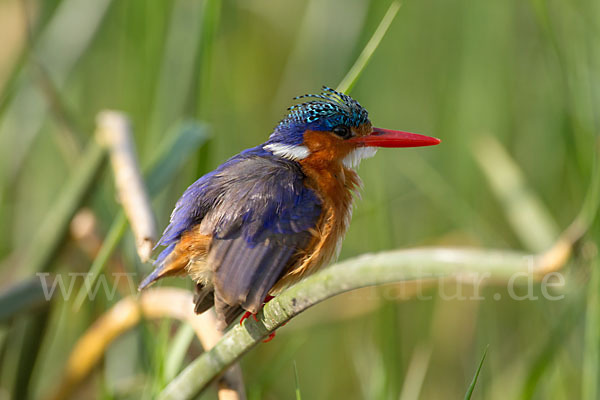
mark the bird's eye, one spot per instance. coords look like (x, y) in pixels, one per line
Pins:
(342, 131)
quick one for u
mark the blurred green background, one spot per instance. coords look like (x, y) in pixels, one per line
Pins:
(525, 73)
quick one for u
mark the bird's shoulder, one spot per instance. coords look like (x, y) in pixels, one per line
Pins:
(253, 192)
(261, 195)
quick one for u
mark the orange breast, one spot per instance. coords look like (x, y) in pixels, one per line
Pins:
(335, 185)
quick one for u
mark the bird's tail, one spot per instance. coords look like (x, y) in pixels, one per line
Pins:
(205, 299)
(171, 261)
(174, 259)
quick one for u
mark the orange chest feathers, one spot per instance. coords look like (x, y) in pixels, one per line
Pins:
(335, 185)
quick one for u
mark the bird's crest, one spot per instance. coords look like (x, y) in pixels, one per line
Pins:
(328, 109)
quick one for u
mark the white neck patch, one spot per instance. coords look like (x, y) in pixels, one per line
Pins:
(288, 151)
(352, 160)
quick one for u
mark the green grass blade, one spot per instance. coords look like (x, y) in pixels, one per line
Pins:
(297, 380)
(110, 243)
(210, 22)
(474, 382)
(565, 324)
(177, 351)
(591, 353)
(176, 77)
(589, 209)
(363, 59)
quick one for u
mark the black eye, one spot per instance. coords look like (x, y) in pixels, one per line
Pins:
(342, 131)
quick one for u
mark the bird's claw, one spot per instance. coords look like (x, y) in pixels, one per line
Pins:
(271, 337)
(246, 315)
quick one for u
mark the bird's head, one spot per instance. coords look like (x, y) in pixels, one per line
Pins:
(332, 127)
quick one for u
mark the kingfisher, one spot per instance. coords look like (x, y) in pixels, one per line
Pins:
(275, 213)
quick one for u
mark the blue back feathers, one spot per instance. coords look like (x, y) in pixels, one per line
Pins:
(252, 195)
(322, 113)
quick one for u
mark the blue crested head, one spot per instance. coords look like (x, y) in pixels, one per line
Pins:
(322, 112)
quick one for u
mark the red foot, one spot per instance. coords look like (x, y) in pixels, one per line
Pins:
(247, 314)
(271, 337)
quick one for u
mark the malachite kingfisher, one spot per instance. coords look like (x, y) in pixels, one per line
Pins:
(277, 212)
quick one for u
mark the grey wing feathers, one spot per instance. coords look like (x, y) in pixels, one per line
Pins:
(261, 226)
(245, 274)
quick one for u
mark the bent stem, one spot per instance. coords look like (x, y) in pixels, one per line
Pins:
(472, 265)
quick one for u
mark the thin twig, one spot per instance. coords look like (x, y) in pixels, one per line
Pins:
(113, 130)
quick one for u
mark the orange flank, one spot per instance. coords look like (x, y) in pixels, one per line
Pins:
(188, 256)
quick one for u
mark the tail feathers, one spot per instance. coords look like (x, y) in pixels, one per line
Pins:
(161, 272)
(150, 279)
(204, 299)
(232, 313)
(169, 264)
(226, 313)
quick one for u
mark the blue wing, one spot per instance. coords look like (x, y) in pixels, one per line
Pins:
(259, 214)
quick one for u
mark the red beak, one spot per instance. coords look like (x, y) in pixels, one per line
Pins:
(388, 138)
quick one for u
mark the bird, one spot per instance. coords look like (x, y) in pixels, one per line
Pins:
(275, 213)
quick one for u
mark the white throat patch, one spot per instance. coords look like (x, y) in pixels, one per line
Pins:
(352, 160)
(288, 151)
